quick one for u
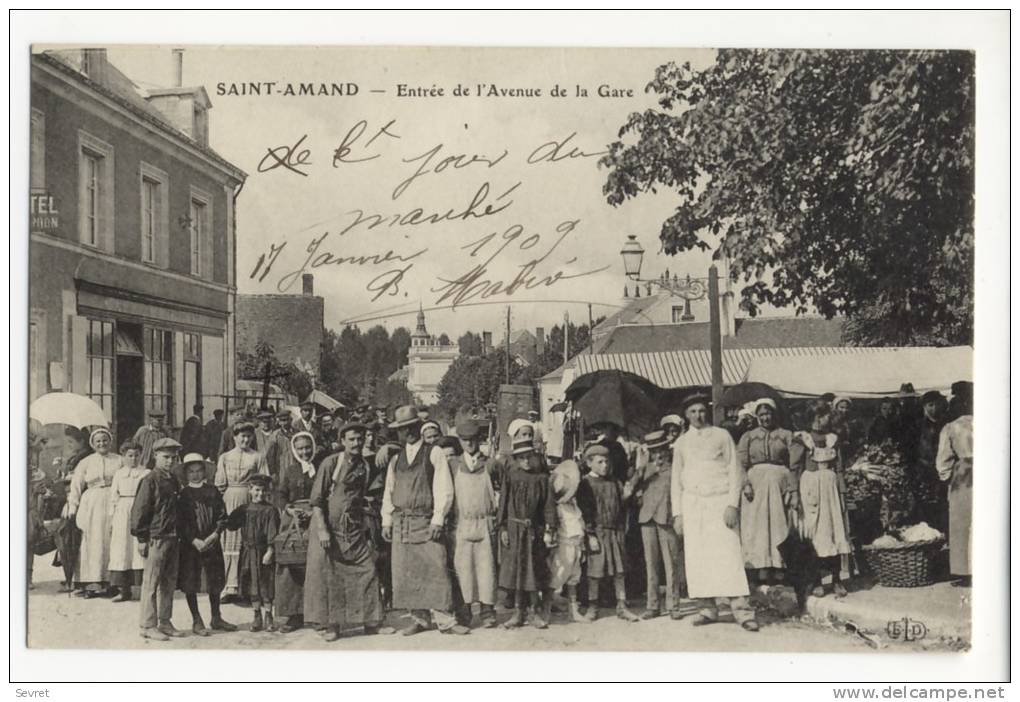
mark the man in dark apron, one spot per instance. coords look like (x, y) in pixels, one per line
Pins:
(341, 587)
(416, 500)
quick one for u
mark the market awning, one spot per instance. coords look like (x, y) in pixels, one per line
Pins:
(323, 400)
(683, 369)
(870, 372)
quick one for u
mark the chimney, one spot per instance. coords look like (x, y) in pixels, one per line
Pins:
(486, 342)
(178, 55)
(539, 341)
(93, 64)
(307, 284)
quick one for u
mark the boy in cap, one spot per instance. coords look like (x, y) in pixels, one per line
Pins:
(527, 524)
(203, 517)
(660, 542)
(601, 498)
(474, 525)
(154, 522)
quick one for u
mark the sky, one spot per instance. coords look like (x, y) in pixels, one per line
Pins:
(549, 223)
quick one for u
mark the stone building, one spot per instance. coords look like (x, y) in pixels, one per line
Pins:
(292, 324)
(132, 243)
(427, 362)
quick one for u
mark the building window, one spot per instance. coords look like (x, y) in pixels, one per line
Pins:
(95, 192)
(155, 236)
(200, 228)
(192, 371)
(158, 352)
(100, 356)
(37, 177)
(678, 314)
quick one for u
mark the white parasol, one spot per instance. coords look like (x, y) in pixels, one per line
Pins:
(67, 408)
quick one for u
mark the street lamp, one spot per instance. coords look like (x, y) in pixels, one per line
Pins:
(632, 254)
(688, 289)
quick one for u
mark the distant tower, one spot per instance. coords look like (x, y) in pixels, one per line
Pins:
(421, 334)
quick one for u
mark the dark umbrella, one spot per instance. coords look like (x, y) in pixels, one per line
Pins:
(68, 541)
(627, 400)
(742, 393)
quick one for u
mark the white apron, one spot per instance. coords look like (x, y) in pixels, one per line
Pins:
(711, 480)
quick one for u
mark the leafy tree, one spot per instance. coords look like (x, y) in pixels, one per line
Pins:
(444, 339)
(839, 180)
(401, 340)
(392, 394)
(252, 366)
(470, 344)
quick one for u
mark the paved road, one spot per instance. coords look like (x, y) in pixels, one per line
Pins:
(59, 621)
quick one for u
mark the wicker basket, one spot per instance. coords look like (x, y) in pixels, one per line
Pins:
(910, 565)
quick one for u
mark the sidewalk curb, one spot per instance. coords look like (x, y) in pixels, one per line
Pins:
(877, 620)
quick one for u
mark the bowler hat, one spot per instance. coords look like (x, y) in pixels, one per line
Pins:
(405, 416)
(468, 430)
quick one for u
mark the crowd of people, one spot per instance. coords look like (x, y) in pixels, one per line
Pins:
(329, 522)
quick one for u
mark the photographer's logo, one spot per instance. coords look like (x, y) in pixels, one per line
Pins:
(906, 629)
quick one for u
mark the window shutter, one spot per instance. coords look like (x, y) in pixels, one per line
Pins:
(207, 241)
(180, 412)
(106, 223)
(82, 197)
(79, 359)
(212, 373)
(162, 243)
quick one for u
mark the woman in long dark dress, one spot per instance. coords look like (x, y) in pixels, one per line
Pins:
(297, 473)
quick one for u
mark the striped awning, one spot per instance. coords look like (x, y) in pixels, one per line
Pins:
(681, 369)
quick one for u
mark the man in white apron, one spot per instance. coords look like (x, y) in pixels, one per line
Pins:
(706, 485)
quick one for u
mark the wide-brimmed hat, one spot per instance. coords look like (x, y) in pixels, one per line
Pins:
(193, 458)
(157, 413)
(523, 447)
(283, 414)
(566, 477)
(769, 402)
(656, 440)
(516, 425)
(405, 416)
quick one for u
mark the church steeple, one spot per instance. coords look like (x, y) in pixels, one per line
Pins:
(420, 330)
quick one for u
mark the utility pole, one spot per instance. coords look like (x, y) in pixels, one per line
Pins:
(591, 337)
(566, 337)
(715, 344)
(508, 344)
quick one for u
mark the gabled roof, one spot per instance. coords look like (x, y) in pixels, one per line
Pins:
(122, 90)
(758, 333)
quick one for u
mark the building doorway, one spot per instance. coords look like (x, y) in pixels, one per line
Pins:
(130, 386)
